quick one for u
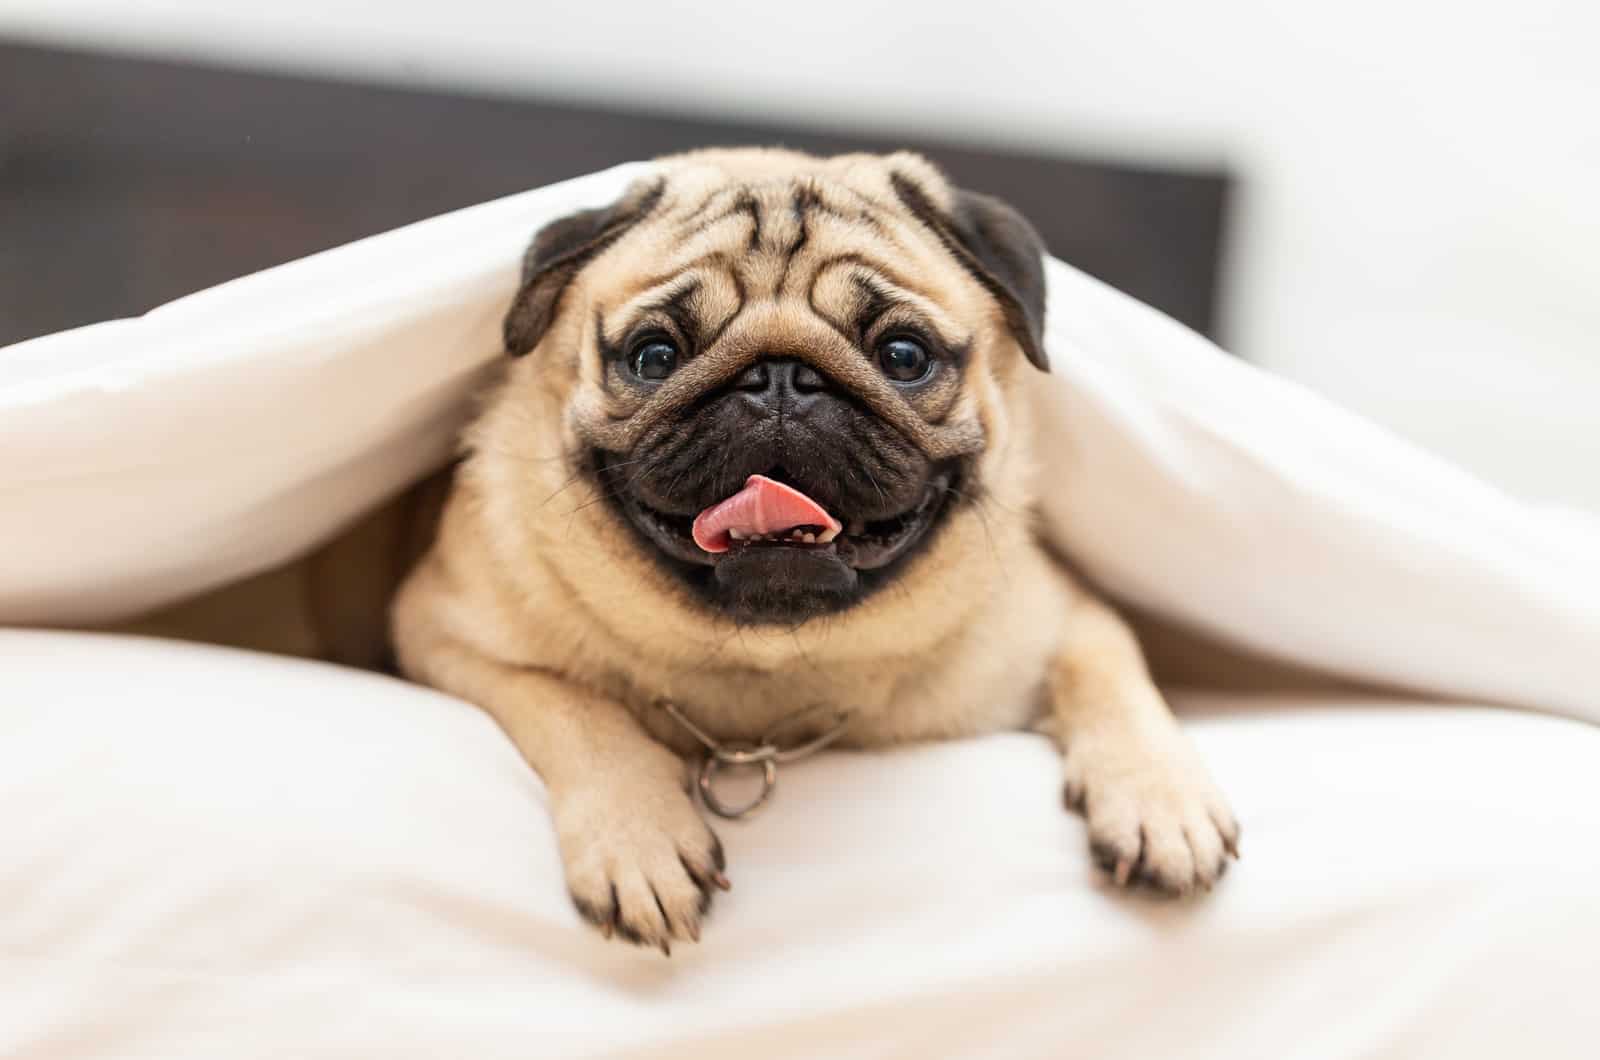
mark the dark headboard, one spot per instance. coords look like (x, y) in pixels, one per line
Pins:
(128, 182)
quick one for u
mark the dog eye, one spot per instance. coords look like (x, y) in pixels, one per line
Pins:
(654, 359)
(904, 360)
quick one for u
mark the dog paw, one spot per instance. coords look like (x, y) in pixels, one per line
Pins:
(640, 865)
(1154, 815)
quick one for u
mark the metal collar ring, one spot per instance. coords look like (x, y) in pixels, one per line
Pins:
(713, 763)
(764, 754)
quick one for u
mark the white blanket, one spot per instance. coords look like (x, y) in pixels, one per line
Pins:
(144, 460)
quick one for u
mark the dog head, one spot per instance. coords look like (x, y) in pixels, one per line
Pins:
(782, 377)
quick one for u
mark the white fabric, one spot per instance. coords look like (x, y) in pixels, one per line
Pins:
(144, 460)
(1198, 487)
(215, 854)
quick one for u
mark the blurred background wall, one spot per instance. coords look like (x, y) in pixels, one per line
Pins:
(1414, 228)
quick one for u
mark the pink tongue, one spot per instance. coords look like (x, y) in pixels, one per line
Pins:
(762, 507)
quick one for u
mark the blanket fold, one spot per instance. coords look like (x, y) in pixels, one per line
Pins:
(143, 461)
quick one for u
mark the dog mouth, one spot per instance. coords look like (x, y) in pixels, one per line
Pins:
(770, 519)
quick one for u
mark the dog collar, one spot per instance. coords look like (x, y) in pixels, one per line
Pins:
(764, 752)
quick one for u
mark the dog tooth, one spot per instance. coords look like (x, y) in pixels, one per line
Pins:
(828, 534)
(737, 535)
(809, 539)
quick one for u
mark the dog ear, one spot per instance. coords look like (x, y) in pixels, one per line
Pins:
(998, 247)
(559, 250)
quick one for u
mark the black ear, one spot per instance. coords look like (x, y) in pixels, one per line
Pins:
(559, 250)
(999, 248)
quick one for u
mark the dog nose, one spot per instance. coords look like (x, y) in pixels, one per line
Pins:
(781, 382)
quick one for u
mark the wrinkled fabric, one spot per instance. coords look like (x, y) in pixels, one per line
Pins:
(213, 853)
(145, 460)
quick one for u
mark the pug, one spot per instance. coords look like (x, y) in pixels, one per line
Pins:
(764, 445)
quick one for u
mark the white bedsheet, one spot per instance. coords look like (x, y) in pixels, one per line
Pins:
(214, 854)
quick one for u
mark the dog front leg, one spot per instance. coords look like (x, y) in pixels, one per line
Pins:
(1154, 814)
(640, 860)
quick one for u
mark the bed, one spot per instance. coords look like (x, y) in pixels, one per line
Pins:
(213, 852)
